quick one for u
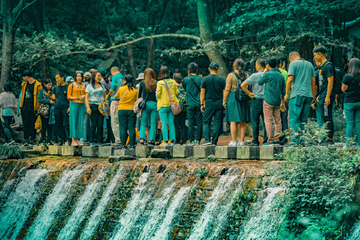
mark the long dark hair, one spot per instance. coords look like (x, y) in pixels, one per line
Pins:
(178, 78)
(354, 69)
(7, 87)
(129, 81)
(164, 73)
(239, 65)
(47, 81)
(92, 79)
(78, 72)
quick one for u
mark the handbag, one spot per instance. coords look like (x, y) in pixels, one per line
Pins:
(175, 108)
(240, 95)
(44, 109)
(38, 124)
(140, 104)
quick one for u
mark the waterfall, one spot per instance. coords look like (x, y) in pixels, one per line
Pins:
(162, 232)
(81, 207)
(39, 229)
(19, 204)
(133, 209)
(355, 232)
(211, 207)
(155, 215)
(94, 220)
(262, 221)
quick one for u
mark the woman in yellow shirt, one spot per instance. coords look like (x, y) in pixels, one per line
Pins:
(164, 105)
(128, 95)
(76, 96)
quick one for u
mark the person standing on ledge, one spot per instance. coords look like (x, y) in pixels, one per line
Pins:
(29, 104)
(211, 99)
(274, 94)
(302, 81)
(257, 99)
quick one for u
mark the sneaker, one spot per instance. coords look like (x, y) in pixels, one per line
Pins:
(25, 144)
(291, 144)
(206, 143)
(132, 147)
(269, 144)
(116, 144)
(197, 143)
(93, 144)
(241, 144)
(164, 144)
(171, 143)
(106, 144)
(99, 144)
(192, 143)
(151, 144)
(11, 142)
(252, 144)
(142, 143)
(232, 144)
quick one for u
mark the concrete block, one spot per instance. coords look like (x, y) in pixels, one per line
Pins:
(143, 151)
(71, 151)
(42, 149)
(248, 153)
(204, 151)
(106, 151)
(161, 153)
(183, 151)
(25, 148)
(90, 151)
(54, 150)
(270, 152)
(170, 148)
(224, 152)
(124, 152)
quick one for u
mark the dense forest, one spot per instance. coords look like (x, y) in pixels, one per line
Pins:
(50, 36)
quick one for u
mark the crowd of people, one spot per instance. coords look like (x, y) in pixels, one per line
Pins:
(173, 110)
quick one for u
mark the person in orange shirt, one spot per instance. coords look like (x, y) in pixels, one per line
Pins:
(76, 96)
(128, 95)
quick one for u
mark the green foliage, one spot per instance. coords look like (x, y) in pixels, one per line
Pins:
(320, 190)
(11, 152)
(211, 158)
(201, 172)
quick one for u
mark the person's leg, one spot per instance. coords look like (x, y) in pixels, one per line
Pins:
(234, 130)
(44, 127)
(171, 125)
(6, 126)
(66, 124)
(131, 127)
(294, 117)
(183, 128)
(32, 129)
(268, 116)
(327, 116)
(208, 113)
(319, 113)
(123, 126)
(93, 124)
(153, 121)
(114, 120)
(218, 120)
(177, 120)
(144, 118)
(191, 111)
(357, 123)
(242, 131)
(73, 119)
(26, 123)
(80, 131)
(255, 120)
(277, 121)
(306, 103)
(284, 123)
(350, 122)
(100, 127)
(199, 123)
(59, 125)
(164, 121)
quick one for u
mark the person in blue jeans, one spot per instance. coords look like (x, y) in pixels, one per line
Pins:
(351, 86)
(147, 89)
(166, 92)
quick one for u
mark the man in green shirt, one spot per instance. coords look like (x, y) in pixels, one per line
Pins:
(284, 114)
(273, 99)
(192, 85)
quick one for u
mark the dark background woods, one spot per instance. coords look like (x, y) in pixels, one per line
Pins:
(50, 36)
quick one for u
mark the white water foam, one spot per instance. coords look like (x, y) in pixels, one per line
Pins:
(39, 229)
(81, 207)
(17, 208)
(355, 232)
(163, 231)
(210, 210)
(261, 224)
(94, 220)
(133, 209)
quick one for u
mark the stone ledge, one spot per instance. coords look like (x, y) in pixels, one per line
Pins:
(225, 152)
(248, 153)
(124, 152)
(90, 151)
(204, 151)
(183, 151)
(270, 152)
(71, 151)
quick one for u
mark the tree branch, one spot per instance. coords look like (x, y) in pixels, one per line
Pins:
(18, 10)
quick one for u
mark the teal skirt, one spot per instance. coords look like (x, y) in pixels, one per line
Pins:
(76, 120)
(235, 111)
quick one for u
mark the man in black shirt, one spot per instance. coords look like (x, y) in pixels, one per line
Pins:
(29, 104)
(211, 97)
(325, 95)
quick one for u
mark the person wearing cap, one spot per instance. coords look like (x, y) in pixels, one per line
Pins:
(116, 83)
(211, 99)
(139, 80)
(69, 80)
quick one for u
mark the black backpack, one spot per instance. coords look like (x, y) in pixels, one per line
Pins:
(240, 95)
(337, 79)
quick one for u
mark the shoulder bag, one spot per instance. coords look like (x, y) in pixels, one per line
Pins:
(175, 108)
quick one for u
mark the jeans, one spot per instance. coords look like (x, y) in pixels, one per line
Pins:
(28, 119)
(46, 128)
(318, 114)
(114, 106)
(299, 110)
(218, 114)
(180, 128)
(127, 122)
(149, 111)
(270, 113)
(326, 114)
(96, 124)
(195, 117)
(257, 111)
(110, 135)
(62, 124)
(6, 126)
(167, 120)
(352, 115)
(284, 123)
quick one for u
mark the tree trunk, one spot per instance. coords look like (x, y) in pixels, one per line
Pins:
(206, 35)
(151, 53)
(305, 47)
(336, 57)
(132, 60)
(7, 52)
(112, 44)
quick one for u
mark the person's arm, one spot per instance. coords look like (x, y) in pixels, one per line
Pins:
(313, 88)
(344, 88)
(202, 99)
(70, 92)
(117, 95)
(41, 99)
(158, 91)
(289, 82)
(226, 93)
(88, 109)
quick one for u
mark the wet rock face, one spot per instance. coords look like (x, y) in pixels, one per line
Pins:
(160, 153)
(79, 198)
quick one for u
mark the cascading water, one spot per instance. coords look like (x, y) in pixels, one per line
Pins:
(355, 232)
(39, 229)
(19, 204)
(262, 221)
(83, 204)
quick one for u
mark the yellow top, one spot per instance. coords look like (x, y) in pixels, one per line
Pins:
(127, 100)
(74, 91)
(163, 95)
